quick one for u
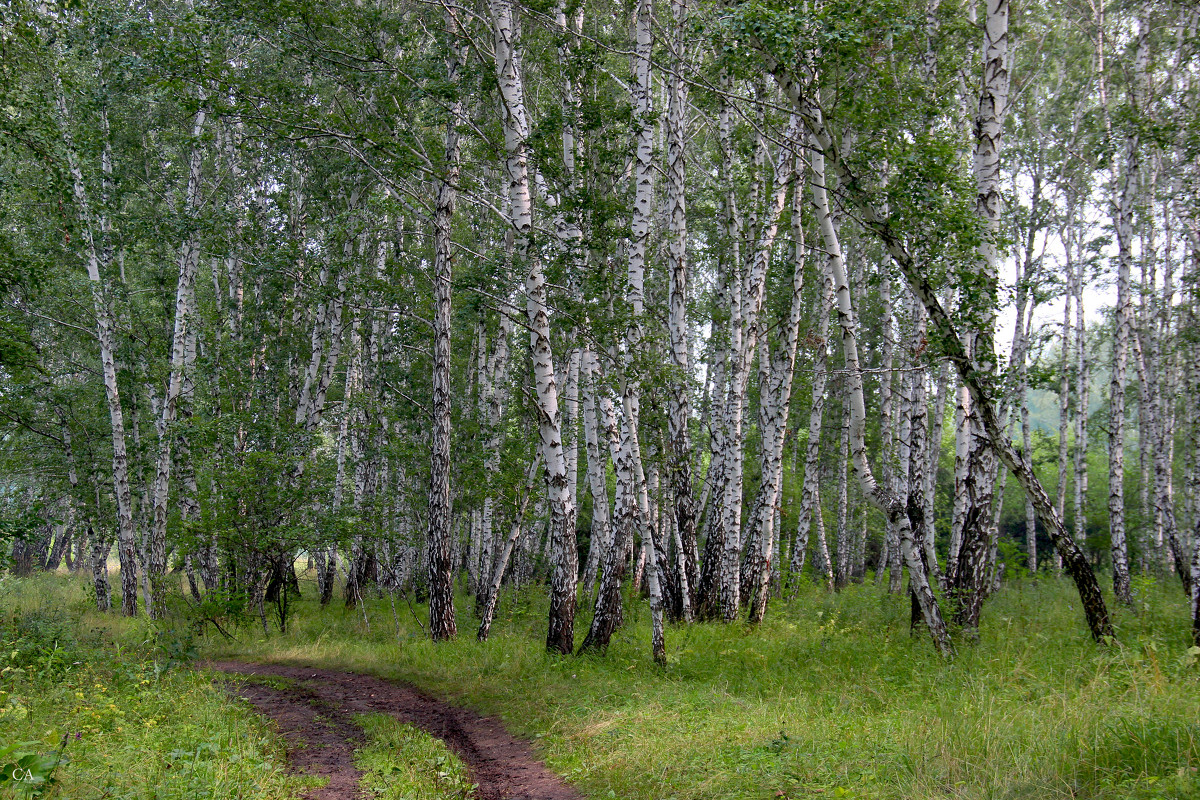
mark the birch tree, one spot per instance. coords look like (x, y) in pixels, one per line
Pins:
(441, 587)
(561, 634)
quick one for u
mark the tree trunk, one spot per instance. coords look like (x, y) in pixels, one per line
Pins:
(1064, 392)
(188, 263)
(1192, 357)
(597, 470)
(606, 617)
(937, 432)
(1083, 379)
(560, 636)
(810, 491)
(494, 397)
(889, 556)
(643, 209)
(744, 332)
(841, 575)
(968, 585)
(99, 257)
(679, 440)
(896, 509)
(495, 572)
(441, 587)
(976, 381)
(776, 370)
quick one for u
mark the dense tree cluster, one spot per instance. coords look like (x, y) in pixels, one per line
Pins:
(706, 298)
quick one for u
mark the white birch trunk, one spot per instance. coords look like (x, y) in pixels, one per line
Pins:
(1082, 400)
(327, 338)
(1192, 420)
(776, 370)
(442, 624)
(679, 440)
(1017, 462)
(810, 492)
(845, 547)
(969, 583)
(937, 431)
(98, 255)
(743, 339)
(561, 629)
(1064, 395)
(494, 395)
(495, 572)
(597, 470)
(888, 411)
(187, 265)
(892, 506)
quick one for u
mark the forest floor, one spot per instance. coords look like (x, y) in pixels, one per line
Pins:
(830, 696)
(313, 709)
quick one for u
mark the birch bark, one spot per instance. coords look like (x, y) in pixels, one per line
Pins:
(895, 508)
(1064, 392)
(442, 624)
(1082, 400)
(495, 572)
(597, 470)
(970, 575)
(95, 229)
(561, 629)
(187, 264)
(889, 556)
(679, 440)
(1192, 318)
(1116, 438)
(810, 492)
(845, 548)
(494, 395)
(1017, 462)
(608, 613)
(744, 334)
(775, 370)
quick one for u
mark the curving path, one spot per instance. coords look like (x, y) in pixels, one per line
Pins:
(314, 715)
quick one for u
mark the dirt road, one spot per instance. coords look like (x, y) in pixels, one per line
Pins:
(315, 714)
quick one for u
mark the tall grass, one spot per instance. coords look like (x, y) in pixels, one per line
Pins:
(830, 696)
(111, 693)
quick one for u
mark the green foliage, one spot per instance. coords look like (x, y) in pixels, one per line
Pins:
(27, 772)
(39, 645)
(226, 610)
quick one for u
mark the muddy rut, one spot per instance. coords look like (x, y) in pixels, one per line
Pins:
(314, 715)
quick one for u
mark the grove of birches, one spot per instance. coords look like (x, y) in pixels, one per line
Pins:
(698, 302)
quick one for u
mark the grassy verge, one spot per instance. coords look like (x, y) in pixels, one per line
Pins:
(831, 696)
(401, 762)
(108, 696)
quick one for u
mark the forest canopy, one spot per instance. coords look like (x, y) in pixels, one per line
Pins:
(705, 299)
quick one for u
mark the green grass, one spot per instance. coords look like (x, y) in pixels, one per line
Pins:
(830, 697)
(401, 762)
(135, 724)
